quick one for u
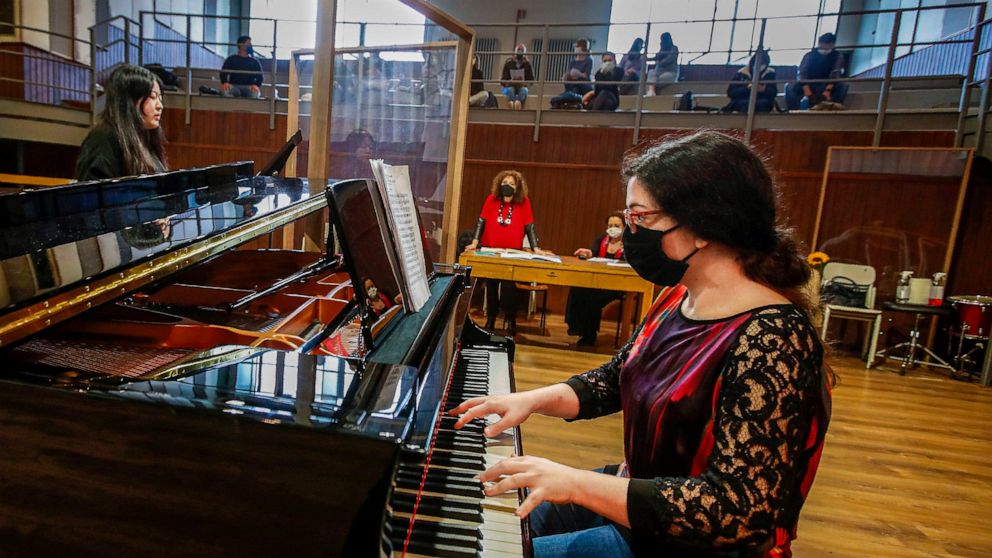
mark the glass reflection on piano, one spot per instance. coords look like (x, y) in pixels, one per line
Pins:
(61, 246)
(270, 385)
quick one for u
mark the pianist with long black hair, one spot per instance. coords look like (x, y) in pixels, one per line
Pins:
(128, 141)
(723, 389)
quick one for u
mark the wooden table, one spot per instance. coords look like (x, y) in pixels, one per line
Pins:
(571, 272)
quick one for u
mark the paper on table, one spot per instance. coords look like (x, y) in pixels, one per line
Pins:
(618, 264)
(518, 255)
(600, 260)
(401, 211)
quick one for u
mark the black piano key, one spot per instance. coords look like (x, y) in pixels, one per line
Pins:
(462, 461)
(438, 473)
(454, 488)
(461, 436)
(438, 507)
(439, 548)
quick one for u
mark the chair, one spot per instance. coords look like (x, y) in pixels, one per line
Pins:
(862, 275)
(533, 289)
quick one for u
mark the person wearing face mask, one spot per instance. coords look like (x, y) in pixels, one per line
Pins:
(377, 301)
(128, 141)
(505, 220)
(241, 74)
(666, 65)
(585, 306)
(822, 63)
(739, 89)
(576, 77)
(516, 76)
(606, 95)
(723, 388)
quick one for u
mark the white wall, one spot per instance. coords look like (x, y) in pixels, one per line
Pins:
(477, 12)
(34, 13)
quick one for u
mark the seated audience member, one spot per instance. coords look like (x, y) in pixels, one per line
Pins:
(238, 84)
(823, 62)
(606, 95)
(740, 90)
(576, 76)
(517, 75)
(585, 306)
(631, 66)
(478, 96)
(666, 65)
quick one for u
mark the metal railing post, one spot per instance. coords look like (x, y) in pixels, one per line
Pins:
(542, 76)
(641, 83)
(965, 103)
(361, 33)
(272, 98)
(983, 109)
(189, 72)
(92, 77)
(752, 103)
(141, 43)
(883, 97)
(127, 41)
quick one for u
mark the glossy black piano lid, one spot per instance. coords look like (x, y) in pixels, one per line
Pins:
(55, 238)
(283, 387)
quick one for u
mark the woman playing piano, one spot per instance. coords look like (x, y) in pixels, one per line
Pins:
(505, 220)
(128, 141)
(723, 390)
(585, 305)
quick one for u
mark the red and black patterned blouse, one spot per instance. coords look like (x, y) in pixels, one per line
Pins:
(724, 422)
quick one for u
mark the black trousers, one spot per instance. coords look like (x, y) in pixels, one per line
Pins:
(502, 295)
(584, 309)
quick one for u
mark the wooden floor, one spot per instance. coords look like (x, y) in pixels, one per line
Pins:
(906, 472)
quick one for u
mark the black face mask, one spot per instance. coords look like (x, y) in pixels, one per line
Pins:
(506, 191)
(643, 252)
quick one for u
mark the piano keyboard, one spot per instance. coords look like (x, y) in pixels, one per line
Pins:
(455, 519)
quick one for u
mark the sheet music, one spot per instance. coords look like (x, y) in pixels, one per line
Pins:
(401, 212)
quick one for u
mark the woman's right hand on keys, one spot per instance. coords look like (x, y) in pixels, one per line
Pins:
(513, 409)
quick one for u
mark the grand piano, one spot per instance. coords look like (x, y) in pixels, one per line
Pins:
(166, 391)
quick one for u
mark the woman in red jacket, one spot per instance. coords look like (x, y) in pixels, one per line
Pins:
(505, 220)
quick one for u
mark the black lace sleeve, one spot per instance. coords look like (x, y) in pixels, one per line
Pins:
(599, 389)
(768, 386)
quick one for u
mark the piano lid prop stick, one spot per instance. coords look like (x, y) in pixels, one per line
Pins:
(316, 267)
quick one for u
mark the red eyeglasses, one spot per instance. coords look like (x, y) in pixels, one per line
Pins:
(634, 218)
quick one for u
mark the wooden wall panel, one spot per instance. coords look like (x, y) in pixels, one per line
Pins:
(971, 268)
(220, 137)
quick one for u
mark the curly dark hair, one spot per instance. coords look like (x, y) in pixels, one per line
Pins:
(517, 177)
(717, 187)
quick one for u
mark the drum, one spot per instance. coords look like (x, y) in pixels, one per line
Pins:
(974, 311)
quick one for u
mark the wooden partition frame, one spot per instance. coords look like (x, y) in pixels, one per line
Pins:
(318, 170)
(959, 204)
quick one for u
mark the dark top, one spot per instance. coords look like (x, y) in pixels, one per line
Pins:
(512, 64)
(599, 248)
(738, 88)
(817, 66)
(476, 86)
(583, 66)
(241, 63)
(101, 157)
(724, 422)
(667, 60)
(615, 75)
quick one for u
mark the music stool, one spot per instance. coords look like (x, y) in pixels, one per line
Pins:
(533, 289)
(913, 345)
